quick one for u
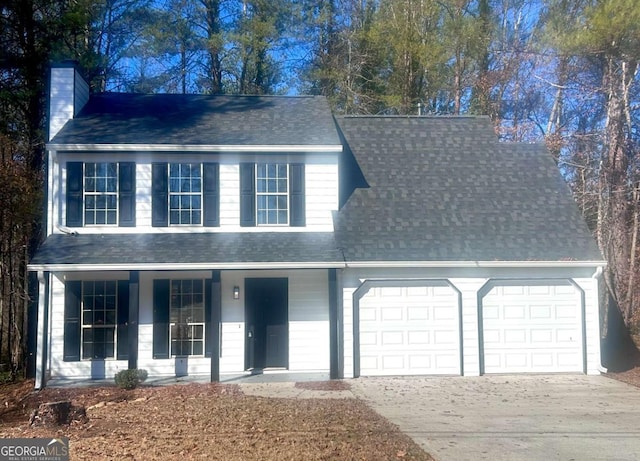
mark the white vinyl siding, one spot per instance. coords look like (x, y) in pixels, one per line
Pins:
(321, 193)
(321, 188)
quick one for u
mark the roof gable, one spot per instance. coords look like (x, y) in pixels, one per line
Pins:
(444, 188)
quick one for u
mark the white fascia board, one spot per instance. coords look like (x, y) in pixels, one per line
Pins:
(468, 264)
(195, 148)
(313, 265)
(183, 266)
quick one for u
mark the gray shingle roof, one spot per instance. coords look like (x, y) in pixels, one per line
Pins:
(118, 118)
(183, 248)
(445, 189)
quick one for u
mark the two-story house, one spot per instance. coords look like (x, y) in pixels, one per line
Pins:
(218, 235)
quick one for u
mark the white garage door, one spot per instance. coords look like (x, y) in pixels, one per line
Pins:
(532, 329)
(409, 330)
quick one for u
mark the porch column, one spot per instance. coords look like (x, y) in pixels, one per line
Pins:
(335, 325)
(216, 317)
(42, 339)
(134, 308)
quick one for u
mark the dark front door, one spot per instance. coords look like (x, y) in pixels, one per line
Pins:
(267, 321)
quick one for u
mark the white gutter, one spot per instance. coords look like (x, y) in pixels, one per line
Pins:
(195, 148)
(467, 264)
(316, 265)
(182, 266)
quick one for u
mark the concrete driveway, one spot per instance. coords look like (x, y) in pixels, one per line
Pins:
(531, 417)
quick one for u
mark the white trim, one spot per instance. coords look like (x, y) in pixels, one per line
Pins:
(196, 148)
(41, 335)
(313, 265)
(467, 264)
(183, 266)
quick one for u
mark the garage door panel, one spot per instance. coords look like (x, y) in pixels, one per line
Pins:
(419, 362)
(368, 313)
(541, 312)
(392, 338)
(446, 338)
(532, 329)
(568, 359)
(368, 338)
(540, 336)
(514, 359)
(542, 360)
(417, 329)
(514, 312)
(444, 313)
(416, 338)
(515, 336)
(390, 314)
(393, 362)
(417, 313)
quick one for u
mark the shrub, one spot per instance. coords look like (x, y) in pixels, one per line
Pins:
(130, 379)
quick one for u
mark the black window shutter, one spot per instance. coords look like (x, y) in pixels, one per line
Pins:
(161, 319)
(74, 194)
(160, 195)
(211, 194)
(72, 313)
(123, 320)
(247, 195)
(127, 194)
(296, 195)
(207, 318)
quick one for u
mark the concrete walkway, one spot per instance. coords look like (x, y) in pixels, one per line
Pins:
(550, 417)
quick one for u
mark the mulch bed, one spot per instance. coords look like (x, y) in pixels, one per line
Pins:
(210, 422)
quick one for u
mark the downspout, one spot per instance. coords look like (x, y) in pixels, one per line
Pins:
(596, 275)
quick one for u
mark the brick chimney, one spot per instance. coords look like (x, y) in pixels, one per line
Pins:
(68, 93)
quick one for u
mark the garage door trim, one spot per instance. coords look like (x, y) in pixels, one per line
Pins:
(367, 284)
(492, 283)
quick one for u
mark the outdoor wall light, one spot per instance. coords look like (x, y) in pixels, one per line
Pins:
(236, 292)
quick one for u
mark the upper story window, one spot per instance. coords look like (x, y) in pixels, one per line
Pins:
(185, 193)
(272, 193)
(100, 194)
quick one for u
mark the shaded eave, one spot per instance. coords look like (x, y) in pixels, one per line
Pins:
(195, 147)
(314, 265)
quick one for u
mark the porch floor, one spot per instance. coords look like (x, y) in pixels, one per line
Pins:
(236, 378)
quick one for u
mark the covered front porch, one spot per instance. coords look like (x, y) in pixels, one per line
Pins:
(203, 325)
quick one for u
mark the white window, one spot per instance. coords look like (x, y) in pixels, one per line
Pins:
(186, 314)
(99, 318)
(100, 193)
(185, 193)
(272, 193)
